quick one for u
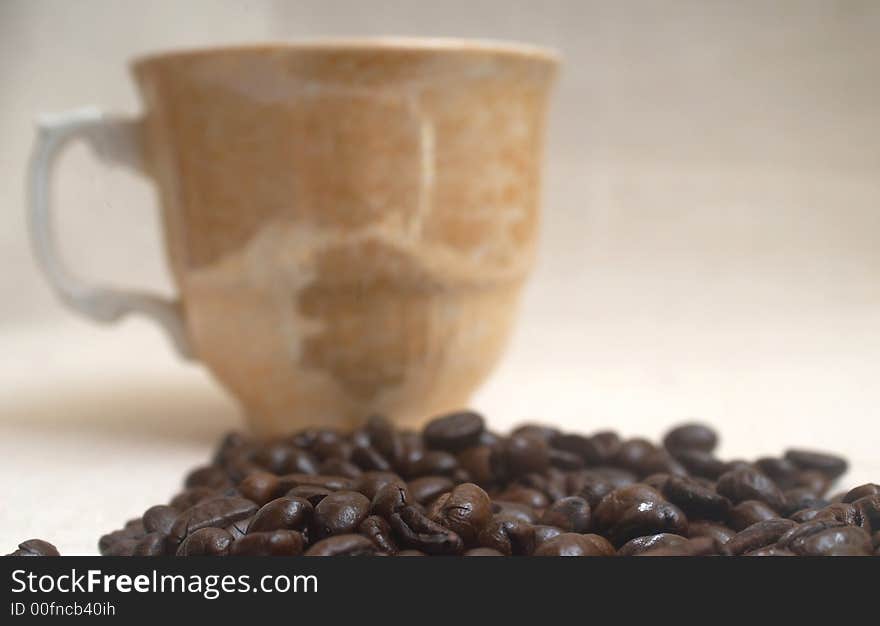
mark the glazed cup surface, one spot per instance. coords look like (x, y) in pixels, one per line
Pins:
(349, 224)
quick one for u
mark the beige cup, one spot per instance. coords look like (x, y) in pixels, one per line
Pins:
(349, 224)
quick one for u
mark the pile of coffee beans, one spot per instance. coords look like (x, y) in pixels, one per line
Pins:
(457, 489)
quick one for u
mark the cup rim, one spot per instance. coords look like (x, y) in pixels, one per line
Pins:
(364, 44)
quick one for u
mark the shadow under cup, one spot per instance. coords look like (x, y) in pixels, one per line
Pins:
(349, 225)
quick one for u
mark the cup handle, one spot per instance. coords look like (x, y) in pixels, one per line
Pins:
(115, 140)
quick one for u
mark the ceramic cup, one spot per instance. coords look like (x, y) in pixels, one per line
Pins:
(349, 224)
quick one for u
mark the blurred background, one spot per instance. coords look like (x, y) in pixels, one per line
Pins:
(710, 242)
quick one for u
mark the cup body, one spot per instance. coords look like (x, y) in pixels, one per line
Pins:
(349, 224)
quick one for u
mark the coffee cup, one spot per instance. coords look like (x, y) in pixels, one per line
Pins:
(349, 224)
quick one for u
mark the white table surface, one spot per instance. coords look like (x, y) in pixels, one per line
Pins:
(98, 424)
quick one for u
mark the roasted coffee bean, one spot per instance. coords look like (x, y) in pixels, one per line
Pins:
(432, 463)
(415, 530)
(457, 488)
(660, 461)
(304, 439)
(780, 470)
(215, 512)
(524, 454)
(151, 544)
(239, 528)
(385, 438)
(637, 510)
(370, 483)
(524, 495)
(340, 513)
(806, 529)
(718, 532)
(799, 498)
(543, 533)
(369, 459)
(750, 484)
(460, 475)
(737, 464)
(541, 431)
(287, 459)
(35, 547)
(427, 488)
(135, 527)
(413, 447)
(574, 544)
(482, 463)
(633, 455)
(868, 489)
(565, 460)
(390, 498)
(758, 535)
(509, 536)
(285, 513)
(359, 438)
(591, 488)
(699, 546)
(340, 467)
(465, 511)
(571, 514)
(584, 448)
(121, 541)
(260, 487)
(108, 541)
(309, 438)
(749, 512)
(868, 508)
(280, 458)
(843, 549)
(269, 543)
(377, 530)
(830, 465)
(804, 515)
(206, 542)
(656, 481)
(328, 448)
(229, 492)
(159, 519)
(700, 463)
(695, 500)
(343, 545)
(192, 496)
(599, 449)
(619, 477)
(514, 510)
(837, 497)
(488, 438)
(814, 480)
(210, 476)
(239, 467)
(231, 443)
(552, 483)
(842, 512)
(828, 540)
(333, 483)
(607, 443)
(311, 493)
(482, 552)
(454, 432)
(770, 551)
(691, 437)
(123, 547)
(651, 542)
